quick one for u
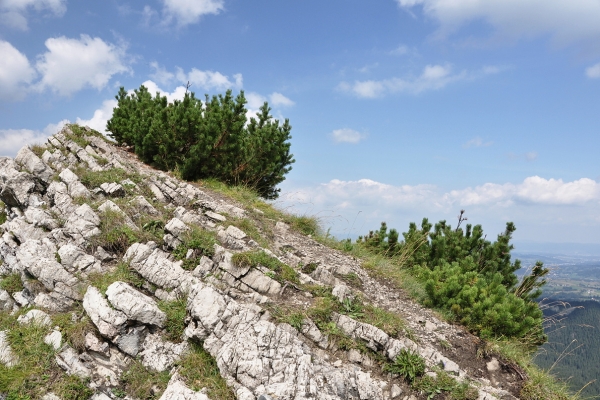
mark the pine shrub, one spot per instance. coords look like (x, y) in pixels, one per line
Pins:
(210, 139)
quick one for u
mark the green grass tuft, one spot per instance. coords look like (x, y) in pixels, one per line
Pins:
(176, 312)
(201, 241)
(122, 272)
(142, 383)
(199, 370)
(12, 283)
(408, 364)
(283, 272)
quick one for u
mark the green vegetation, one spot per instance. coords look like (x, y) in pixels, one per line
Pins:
(36, 372)
(37, 149)
(282, 272)
(142, 383)
(199, 370)
(468, 276)
(573, 342)
(74, 331)
(122, 272)
(78, 134)
(2, 213)
(201, 241)
(93, 179)
(210, 139)
(408, 364)
(444, 383)
(12, 283)
(176, 312)
(117, 233)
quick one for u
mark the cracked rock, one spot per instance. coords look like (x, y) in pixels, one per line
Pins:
(135, 305)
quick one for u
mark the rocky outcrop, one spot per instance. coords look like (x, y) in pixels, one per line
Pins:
(120, 290)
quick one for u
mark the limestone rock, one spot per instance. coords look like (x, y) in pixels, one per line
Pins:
(54, 339)
(7, 356)
(76, 188)
(159, 354)
(6, 302)
(92, 343)
(69, 361)
(36, 317)
(176, 390)
(33, 164)
(135, 305)
(113, 189)
(108, 321)
(143, 206)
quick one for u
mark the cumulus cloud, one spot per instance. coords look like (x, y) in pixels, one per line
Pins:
(533, 190)
(346, 135)
(70, 65)
(12, 140)
(433, 77)
(477, 142)
(186, 12)
(277, 99)
(209, 80)
(565, 22)
(100, 117)
(15, 73)
(13, 13)
(369, 193)
(399, 51)
(593, 72)
(161, 75)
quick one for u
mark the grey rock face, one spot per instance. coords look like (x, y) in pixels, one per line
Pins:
(113, 189)
(108, 321)
(76, 188)
(7, 356)
(69, 361)
(33, 164)
(135, 305)
(159, 354)
(6, 302)
(154, 265)
(176, 390)
(36, 317)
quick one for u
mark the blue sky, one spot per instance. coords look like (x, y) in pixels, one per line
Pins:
(401, 109)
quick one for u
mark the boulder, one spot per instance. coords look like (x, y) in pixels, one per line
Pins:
(108, 320)
(135, 305)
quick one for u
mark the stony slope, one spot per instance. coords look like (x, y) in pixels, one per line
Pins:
(93, 234)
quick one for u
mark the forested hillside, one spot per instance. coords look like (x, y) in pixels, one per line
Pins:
(575, 342)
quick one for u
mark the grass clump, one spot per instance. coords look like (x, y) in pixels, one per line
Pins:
(176, 312)
(116, 233)
(2, 213)
(287, 315)
(201, 241)
(78, 134)
(93, 179)
(250, 228)
(122, 273)
(74, 326)
(444, 383)
(12, 283)
(36, 370)
(408, 364)
(282, 272)
(142, 383)
(37, 149)
(72, 387)
(199, 370)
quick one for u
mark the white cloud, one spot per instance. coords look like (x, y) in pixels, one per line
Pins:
(209, 80)
(277, 99)
(12, 140)
(477, 142)
(185, 12)
(153, 88)
(161, 75)
(101, 115)
(593, 71)
(399, 51)
(70, 65)
(565, 22)
(433, 77)
(15, 73)
(13, 12)
(347, 136)
(534, 189)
